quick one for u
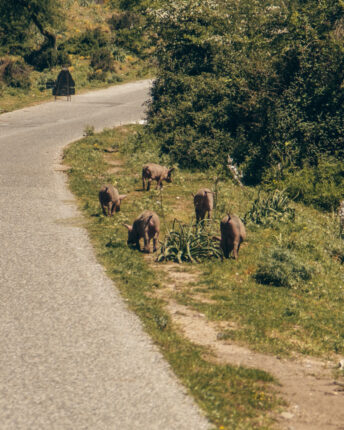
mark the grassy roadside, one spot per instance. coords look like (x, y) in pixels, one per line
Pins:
(232, 397)
(81, 20)
(15, 98)
(301, 316)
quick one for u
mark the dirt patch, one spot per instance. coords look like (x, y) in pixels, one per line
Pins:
(176, 281)
(315, 398)
(115, 164)
(61, 168)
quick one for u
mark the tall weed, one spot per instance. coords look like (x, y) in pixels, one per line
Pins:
(267, 210)
(191, 243)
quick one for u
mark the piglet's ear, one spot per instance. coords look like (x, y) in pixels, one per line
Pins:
(170, 170)
(148, 220)
(229, 217)
(217, 238)
(122, 196)
(129, 227)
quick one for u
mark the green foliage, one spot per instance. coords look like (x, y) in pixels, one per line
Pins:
(191, 243)
(267, 210)
(253, 79)
(281, 268)
(89, 130)
(88, 42)
(15, 73)
(102, 59)
(321, 185)
(232, 397)
(47, 58)
(20, 20)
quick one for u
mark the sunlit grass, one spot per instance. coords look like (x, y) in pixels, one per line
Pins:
(232, 397)
(305, 317)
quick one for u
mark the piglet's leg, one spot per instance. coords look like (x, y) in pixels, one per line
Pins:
(146, 243)
(236, 248)
(104, 210)
(155, 241)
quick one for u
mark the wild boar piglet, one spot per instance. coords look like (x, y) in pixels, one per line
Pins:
(157, 173)
(204, 203)
(146, 226)
(110, 199)
(233, 233)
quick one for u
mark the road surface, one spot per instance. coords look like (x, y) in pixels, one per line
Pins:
(72, 356)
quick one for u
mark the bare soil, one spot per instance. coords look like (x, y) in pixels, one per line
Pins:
(114, 165)
(315, 398)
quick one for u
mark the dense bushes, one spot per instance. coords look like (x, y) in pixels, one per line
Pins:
(87, 42)
(320, 185)
(46, 58)
(281, 268)
(15, 73)
(258, 80)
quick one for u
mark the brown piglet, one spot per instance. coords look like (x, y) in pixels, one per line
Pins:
(157, 173)
(146, 226)
(110, 199)
(204, 203)
(233, 233)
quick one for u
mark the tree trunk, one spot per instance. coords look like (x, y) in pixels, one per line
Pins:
(49, 37)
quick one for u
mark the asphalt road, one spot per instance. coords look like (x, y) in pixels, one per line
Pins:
(72, 356)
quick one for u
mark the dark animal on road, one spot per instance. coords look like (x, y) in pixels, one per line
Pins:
(204, 203)
(157, 173)
(232, 234)
(146, 226)
(110, 199)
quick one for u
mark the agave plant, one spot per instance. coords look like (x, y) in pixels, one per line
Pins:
(191, 243)
(274, 207)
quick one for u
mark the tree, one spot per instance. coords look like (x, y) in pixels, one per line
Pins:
(250, 78)
(19, 18)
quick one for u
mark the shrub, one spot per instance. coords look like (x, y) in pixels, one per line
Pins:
(46, 81)
(191, 243)
(128, 28)
(281, 268)
(319, 185)
(102, 59)
(47, 58)
(267, 210)
(124, 19)
(89, 130)
(15, 73)
(251, 85)
(87, 42)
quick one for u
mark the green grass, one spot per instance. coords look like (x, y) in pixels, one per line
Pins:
(303, 315)
(232, 397)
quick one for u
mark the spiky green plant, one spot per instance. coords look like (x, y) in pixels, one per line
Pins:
(267, 210)
(191, 243)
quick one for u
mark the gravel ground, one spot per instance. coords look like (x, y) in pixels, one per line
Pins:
(72, 355)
